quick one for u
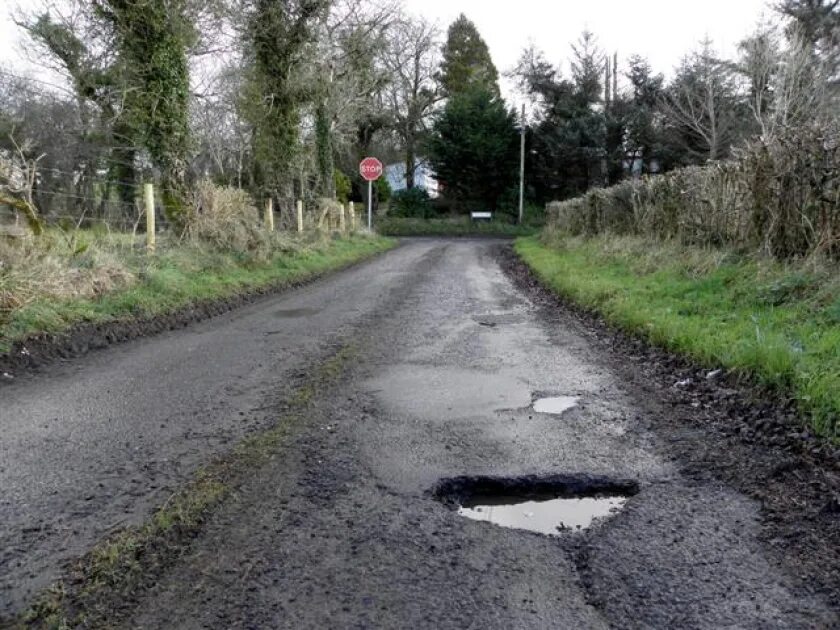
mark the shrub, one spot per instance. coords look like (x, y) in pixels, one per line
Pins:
(227, 219)
(780, 196)
(343, 186)
(327, 212)
(382, 190)
(411, 202)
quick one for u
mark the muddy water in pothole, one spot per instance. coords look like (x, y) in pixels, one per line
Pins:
(556, 405)
(550, 516)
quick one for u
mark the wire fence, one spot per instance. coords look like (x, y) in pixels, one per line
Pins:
(61, 156)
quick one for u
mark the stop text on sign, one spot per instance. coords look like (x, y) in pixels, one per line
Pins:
(370, 169)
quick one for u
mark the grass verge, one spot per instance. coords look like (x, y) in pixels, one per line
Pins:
(776, 324)
(450, 227)
(99, 584)
(182, 276)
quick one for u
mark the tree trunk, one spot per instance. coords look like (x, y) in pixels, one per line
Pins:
(410, 164)
(124, 175)
(326, 160)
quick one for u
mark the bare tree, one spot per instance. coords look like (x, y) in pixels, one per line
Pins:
(223, 137)
(346, 77)
(788, 85)
(701, 102)
(758, 63)
(412, 62)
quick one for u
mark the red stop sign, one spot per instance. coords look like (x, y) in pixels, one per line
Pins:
(370, 168)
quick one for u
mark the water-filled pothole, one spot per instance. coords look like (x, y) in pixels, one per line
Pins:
(556, 404)
(547, 505)
(546, 516)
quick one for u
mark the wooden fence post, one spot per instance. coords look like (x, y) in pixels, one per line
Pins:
(352, 211)
(300, 216)
(269, 214)
(149, 198)
(342, 223)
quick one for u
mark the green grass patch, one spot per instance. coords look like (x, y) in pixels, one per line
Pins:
(460, 226)
(775, 323)
(178, 277)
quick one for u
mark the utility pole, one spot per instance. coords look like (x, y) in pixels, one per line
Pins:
(522, 165)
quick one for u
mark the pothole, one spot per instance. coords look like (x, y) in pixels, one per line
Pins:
(556, 404)
(296, 312)
(548, 505)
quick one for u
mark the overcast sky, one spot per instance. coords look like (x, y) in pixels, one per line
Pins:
(661, 30)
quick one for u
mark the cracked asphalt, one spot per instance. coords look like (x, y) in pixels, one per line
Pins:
(339, 530)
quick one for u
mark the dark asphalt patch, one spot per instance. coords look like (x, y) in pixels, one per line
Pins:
(296, 312)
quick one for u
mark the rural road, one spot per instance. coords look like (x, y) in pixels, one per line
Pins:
(340, 529)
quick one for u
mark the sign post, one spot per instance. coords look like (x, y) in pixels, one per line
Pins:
(370, 169)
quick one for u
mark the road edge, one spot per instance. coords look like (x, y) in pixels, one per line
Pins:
(35, 354)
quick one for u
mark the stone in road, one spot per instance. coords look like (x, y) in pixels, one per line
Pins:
(339, 531)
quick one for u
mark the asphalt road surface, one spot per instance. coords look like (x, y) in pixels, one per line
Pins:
(340, 530)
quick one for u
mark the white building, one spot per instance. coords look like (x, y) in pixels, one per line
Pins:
(423, 177)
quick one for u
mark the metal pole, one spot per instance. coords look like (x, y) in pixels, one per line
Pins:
(522, 166)
(370, 205)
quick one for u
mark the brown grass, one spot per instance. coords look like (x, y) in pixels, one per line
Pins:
(59, 266)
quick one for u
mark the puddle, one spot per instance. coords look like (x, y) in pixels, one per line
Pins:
(549, 516)
(549, 505)
(297, 312)
(556, 405)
